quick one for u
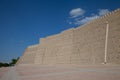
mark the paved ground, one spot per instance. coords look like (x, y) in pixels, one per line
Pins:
(62, 72)
(3, 70)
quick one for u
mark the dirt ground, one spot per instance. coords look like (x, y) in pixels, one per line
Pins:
(61, 72)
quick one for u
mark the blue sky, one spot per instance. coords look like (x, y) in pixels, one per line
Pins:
(23, 22)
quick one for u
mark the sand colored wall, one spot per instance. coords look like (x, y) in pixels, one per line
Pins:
(29, 55)
(81, 45)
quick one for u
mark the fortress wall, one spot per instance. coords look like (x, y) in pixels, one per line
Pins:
(29, 55)
(82, 45)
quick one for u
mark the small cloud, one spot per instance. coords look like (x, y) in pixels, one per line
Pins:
(76, 12)
(86, 19)
(70, 22)
(103, 11)
(78, 18)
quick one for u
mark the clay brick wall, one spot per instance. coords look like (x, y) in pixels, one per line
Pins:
(81, 45)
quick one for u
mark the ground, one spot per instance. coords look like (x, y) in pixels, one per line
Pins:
(61, 72)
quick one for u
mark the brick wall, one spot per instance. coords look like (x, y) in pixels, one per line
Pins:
(81, 45)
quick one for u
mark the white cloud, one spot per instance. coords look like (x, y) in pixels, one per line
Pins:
(78, 17)
(76, 12)
(86, 19)
(103, 12)
(70, 22)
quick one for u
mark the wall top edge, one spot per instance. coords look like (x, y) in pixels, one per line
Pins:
(36, 45)
(101, 17)
(57, 33)
(68, 30)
